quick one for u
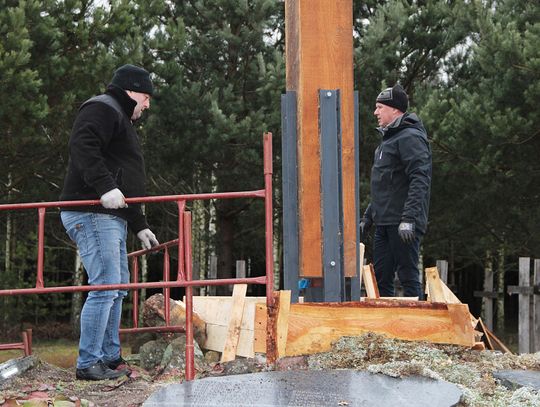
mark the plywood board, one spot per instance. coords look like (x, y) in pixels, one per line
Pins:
(215, 311)
(313, 327)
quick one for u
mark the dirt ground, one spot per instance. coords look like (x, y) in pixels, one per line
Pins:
(49, 385)
(471, 370)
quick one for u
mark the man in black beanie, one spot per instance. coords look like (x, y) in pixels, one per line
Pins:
(106, 163)
(400, 189)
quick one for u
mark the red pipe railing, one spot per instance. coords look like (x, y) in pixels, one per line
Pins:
(25, 345)
(185, 269)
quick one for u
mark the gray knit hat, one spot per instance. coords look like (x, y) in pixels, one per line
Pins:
(131, 77)
(394, 97)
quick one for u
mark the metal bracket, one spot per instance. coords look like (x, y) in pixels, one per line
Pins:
(331, 195)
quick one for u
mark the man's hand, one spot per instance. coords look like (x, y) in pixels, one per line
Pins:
(147, 238)
(365, 225)
(406, 232)
(114, 199)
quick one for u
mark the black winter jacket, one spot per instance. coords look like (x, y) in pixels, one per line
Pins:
(401, 175)
(105, 153)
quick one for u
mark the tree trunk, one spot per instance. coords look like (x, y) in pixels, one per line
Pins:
(7, 267)
(77, 299)
(225, 247)
(500, 290)
(487, 303)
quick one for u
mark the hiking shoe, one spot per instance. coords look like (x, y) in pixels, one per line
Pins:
(99, 371)
(114, 364)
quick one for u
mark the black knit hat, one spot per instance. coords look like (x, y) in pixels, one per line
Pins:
(394, 97)
(131, 77)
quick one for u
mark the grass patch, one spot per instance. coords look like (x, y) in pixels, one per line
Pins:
(59, 352)
(62, 353)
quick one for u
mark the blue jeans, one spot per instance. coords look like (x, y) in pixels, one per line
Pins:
(391, 256)
(101, 239)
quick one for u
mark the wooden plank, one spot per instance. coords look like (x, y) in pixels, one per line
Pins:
(449, 296)
(497, 341)
(313, 327)
(370, 282)
(536, 309)
(319, 55)
(282, 324)
(436, 293)
(524, 306)
(362, 249)
(259, 340)
(487, 338)
(233, 333)
(399, 298)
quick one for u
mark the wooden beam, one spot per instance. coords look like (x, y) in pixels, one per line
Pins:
(319, 55)
(314, 326)
(231, 343)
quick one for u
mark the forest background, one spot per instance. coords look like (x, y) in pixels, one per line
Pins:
(471, 69)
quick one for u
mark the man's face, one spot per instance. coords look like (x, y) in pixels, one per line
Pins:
(143, 103)
(385, 114)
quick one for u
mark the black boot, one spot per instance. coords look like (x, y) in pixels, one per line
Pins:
(113, 364)
(99, 372)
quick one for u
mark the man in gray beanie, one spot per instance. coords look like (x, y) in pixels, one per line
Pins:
(400, 189)
(106, 163)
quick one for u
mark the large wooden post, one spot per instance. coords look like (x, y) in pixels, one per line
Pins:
(319, 55)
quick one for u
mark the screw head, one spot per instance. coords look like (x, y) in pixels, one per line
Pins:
(332, 263)
(328, 94)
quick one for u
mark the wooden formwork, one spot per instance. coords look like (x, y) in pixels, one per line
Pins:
(238, 325)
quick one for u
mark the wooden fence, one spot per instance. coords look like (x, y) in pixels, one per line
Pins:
(529, 305)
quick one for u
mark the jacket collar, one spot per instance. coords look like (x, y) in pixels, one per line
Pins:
(128, 104)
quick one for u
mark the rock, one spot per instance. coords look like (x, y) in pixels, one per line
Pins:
(212, 356)
(174, 357)
(151, 353)
(154, 315)
(15, 367)
(140, 339)
(292, 363)
(514, 379)
(239, 366)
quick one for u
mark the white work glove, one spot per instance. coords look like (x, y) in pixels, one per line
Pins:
(114, 199)
(148, 239)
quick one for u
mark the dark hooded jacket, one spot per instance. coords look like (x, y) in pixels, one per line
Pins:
(401, 175)
(105, 153)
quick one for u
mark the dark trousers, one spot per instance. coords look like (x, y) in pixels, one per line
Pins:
(391, 256)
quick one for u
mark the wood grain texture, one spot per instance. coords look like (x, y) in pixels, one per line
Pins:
(215, 312)
(319, 55)
(282, 324)
(435, 289)
(313, 327)
(370, 282)
(235, 320)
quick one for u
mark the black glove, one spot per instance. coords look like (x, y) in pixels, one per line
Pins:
(406, 231)
(365, 225)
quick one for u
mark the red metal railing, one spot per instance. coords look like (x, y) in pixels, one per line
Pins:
(184, 271)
